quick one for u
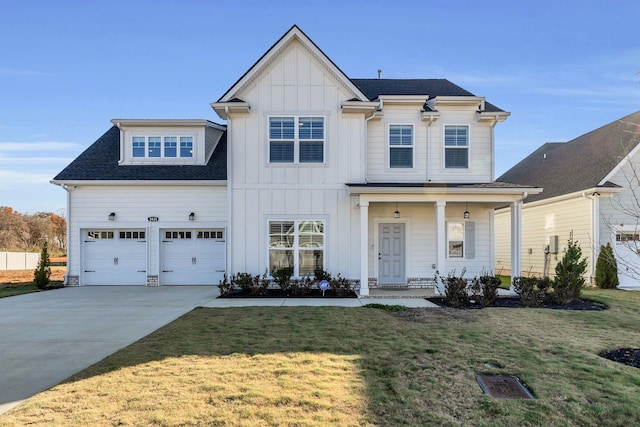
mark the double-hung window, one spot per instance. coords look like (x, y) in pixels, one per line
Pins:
(170, 145)
(154, 146)
(186, 146)
(296, 139)
(298, 245)
(400, 146)
(456, 147)
(158, 146)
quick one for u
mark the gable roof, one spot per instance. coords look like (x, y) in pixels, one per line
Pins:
(294, 33)
(99, 162)
(582, 163)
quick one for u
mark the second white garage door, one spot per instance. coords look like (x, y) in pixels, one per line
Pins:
(192, 257)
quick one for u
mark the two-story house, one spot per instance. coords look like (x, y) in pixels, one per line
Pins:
(381, 180)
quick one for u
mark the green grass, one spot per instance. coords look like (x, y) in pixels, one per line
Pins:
(357, 366)
(9, 291)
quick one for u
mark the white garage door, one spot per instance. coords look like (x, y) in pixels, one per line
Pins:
(114, 257)
(193, 257)
(628, 258)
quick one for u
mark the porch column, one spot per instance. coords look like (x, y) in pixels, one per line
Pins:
(441, 244)
(516, 240)
(364, 248)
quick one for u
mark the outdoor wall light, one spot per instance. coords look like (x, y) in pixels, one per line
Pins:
(396, 214)
(112, 216)
(466, 213)
(192, 216)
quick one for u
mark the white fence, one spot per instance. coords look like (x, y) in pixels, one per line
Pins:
(19, 260)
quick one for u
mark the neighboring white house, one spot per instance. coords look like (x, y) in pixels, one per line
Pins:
(590, 193)
(381, 180)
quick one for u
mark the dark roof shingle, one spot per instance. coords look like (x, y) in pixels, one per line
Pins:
(99, 162)
(580, 164)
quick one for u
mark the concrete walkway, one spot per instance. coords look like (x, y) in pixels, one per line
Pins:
(46, 337)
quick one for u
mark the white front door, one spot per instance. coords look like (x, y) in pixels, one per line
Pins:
(114, 257)
(391, 257)
(193, 257)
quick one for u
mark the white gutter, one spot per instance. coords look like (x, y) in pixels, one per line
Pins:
(595, 229)
(140, 182)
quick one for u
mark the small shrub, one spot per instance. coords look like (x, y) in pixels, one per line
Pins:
(455, 290)
(387, 307)
(225, 285)
(532, 290)
(282, 277)
(489, 284)
(606, 268)
(302, 286)
(569, 279)
(321, 275)
(42, 273)
(341, 285)
(242, 281)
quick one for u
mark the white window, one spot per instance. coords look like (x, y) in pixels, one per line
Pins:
(157, 146)
(456, 147)
(298, 245)
(170, 146)
(296, 139)
(186, 146)
(455, 239)
(154, 146)
(138, 145)
(400, 146)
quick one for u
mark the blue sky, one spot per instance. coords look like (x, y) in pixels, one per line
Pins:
(562, 68)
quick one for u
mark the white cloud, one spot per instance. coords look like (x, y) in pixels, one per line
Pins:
(7, 161)
(20, 72)
(13, 178)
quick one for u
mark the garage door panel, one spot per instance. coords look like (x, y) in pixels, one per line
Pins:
(113, 257)
(195, 258)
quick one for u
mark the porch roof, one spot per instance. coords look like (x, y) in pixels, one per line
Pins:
(493, 192)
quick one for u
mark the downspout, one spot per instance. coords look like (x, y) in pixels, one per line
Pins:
(493, 150)
(366, 143)
(516, 234)
(121, 144)
(68, 236)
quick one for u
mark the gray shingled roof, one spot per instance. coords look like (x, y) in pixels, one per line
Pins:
(100, 162)
(580, 164)
(373, 88)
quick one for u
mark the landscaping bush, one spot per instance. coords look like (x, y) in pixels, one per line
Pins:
(225, 285)
(242, 281)
(282, 277)
(455, 290)
(569, 279)
(341, 285)
(321, 275)
(489, 284)
(532, 290)
(42, 273)
(606, 268)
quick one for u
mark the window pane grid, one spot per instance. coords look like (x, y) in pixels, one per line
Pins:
(296, 139)
(296, 244)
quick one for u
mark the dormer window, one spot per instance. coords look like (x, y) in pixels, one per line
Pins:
(158, 147)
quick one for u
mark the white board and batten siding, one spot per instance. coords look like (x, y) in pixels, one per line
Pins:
(128, 248)
(296, 83)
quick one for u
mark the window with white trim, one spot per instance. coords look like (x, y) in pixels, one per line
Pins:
(456, 147)
(296, 244)
(400, 146)
(455, 239)
(158, 146)
(296, 139)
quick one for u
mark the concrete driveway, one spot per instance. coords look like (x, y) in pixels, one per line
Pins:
(46, 337)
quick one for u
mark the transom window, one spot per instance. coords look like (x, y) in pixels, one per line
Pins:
(296, 139)
(99, 234)
(400, 146)
(298, 245)
(177, 234)
(210, 234)
(456, 147)
(455, 239)
(132, 234)
(157, 146)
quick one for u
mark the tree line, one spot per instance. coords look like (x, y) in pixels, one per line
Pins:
(27, 233)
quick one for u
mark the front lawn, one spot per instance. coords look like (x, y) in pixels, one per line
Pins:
(308, 366)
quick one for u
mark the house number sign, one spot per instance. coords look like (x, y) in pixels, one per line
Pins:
(152, 218)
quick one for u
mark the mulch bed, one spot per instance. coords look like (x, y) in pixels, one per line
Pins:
(514, 302)
(279, 293)
(627, 356)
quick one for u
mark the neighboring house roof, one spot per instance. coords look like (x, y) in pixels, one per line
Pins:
(582, 163)
(99, 162)
(374, 88)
